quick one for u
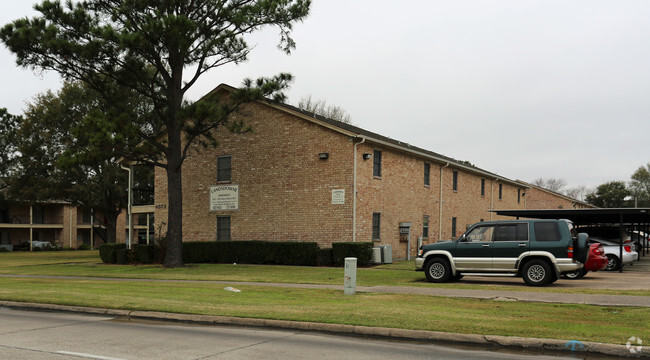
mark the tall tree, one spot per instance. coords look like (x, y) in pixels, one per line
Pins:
(577, 192)
(553, 184)
(60, 155)
(147, 46)
(320, 107)
(609, 195)
(640, 183)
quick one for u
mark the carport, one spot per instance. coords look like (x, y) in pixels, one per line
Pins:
(625, 218)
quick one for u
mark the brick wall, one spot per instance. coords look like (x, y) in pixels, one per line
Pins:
(285, 190)
(400, 195)
(537, 198)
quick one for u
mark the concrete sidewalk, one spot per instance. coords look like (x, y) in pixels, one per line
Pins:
(497, 295)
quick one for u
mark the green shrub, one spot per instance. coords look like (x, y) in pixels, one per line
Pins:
(121, 256)
(107, 252)
(360, 250)
(251, 252)
(144, 254)
(83, 247)
(325, 257)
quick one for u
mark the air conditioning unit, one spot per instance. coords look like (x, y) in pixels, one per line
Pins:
(376, 255)
(386, 254)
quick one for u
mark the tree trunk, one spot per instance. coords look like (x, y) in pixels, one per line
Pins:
(111, 230)
(173, 254)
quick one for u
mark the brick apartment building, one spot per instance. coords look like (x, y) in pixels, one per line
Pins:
(60, 223)
(294, 178)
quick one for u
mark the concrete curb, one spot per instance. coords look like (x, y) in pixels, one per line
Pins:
(562, 346)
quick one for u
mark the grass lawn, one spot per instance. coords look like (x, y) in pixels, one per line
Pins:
(569, 322)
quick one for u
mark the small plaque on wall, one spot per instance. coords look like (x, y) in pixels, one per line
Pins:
(338, 196)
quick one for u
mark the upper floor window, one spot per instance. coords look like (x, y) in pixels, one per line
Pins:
(500, 191)
(455, 181)
(224, 170)
(482, 187)
(427, 173)
(376, 163)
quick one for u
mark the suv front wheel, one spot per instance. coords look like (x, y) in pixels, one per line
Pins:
(537, 273)
(437, 270)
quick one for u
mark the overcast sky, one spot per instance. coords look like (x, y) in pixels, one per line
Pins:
(526, 89)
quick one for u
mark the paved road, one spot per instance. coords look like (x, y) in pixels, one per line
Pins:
(57, 336)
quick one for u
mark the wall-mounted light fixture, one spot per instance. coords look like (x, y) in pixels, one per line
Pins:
(323, 156)
(367, 156)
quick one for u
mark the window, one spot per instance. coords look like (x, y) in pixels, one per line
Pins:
(453, 228)
(482, 233)
(511, 232)
(224, 170)
(518, 196)
(376, 163)
(547, 231)
(376, 226)
(482, 187)
(427, 172)
(500, 191)
(223, 228)
(425, 226)
(455, 181)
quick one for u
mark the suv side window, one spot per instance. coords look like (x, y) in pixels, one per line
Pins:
(547, 231)
(511, 232)
(480, 234)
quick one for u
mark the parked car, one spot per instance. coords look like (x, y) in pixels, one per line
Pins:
(596, 261)
(43, 245)
(613, 234)
(539, 251)
(640, 240)
(613, 252)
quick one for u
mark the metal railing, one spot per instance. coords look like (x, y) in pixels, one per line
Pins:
(24, 220)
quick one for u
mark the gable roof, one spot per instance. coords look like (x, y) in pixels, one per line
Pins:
(371, 137)
(557, 194)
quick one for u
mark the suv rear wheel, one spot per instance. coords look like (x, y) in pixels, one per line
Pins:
(437, 270)
(537, 273)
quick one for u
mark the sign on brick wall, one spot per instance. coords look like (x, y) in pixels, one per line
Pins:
(224, 197)
(338, 196)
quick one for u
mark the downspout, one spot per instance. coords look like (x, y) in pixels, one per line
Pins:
(354, 191)
(492, 198)
(440, 211)
(128, 209)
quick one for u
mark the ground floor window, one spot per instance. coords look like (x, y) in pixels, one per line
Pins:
(376, 226)
(425, 226)
(223, 228)
(453, 228)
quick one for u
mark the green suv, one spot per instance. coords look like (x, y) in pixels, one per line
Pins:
(540, 251)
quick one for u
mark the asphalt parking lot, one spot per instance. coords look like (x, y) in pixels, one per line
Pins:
(633, 277)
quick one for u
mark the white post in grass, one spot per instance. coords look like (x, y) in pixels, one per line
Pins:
(350, 283)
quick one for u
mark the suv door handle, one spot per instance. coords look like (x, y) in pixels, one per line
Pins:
(486, 245)
(522, 245)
